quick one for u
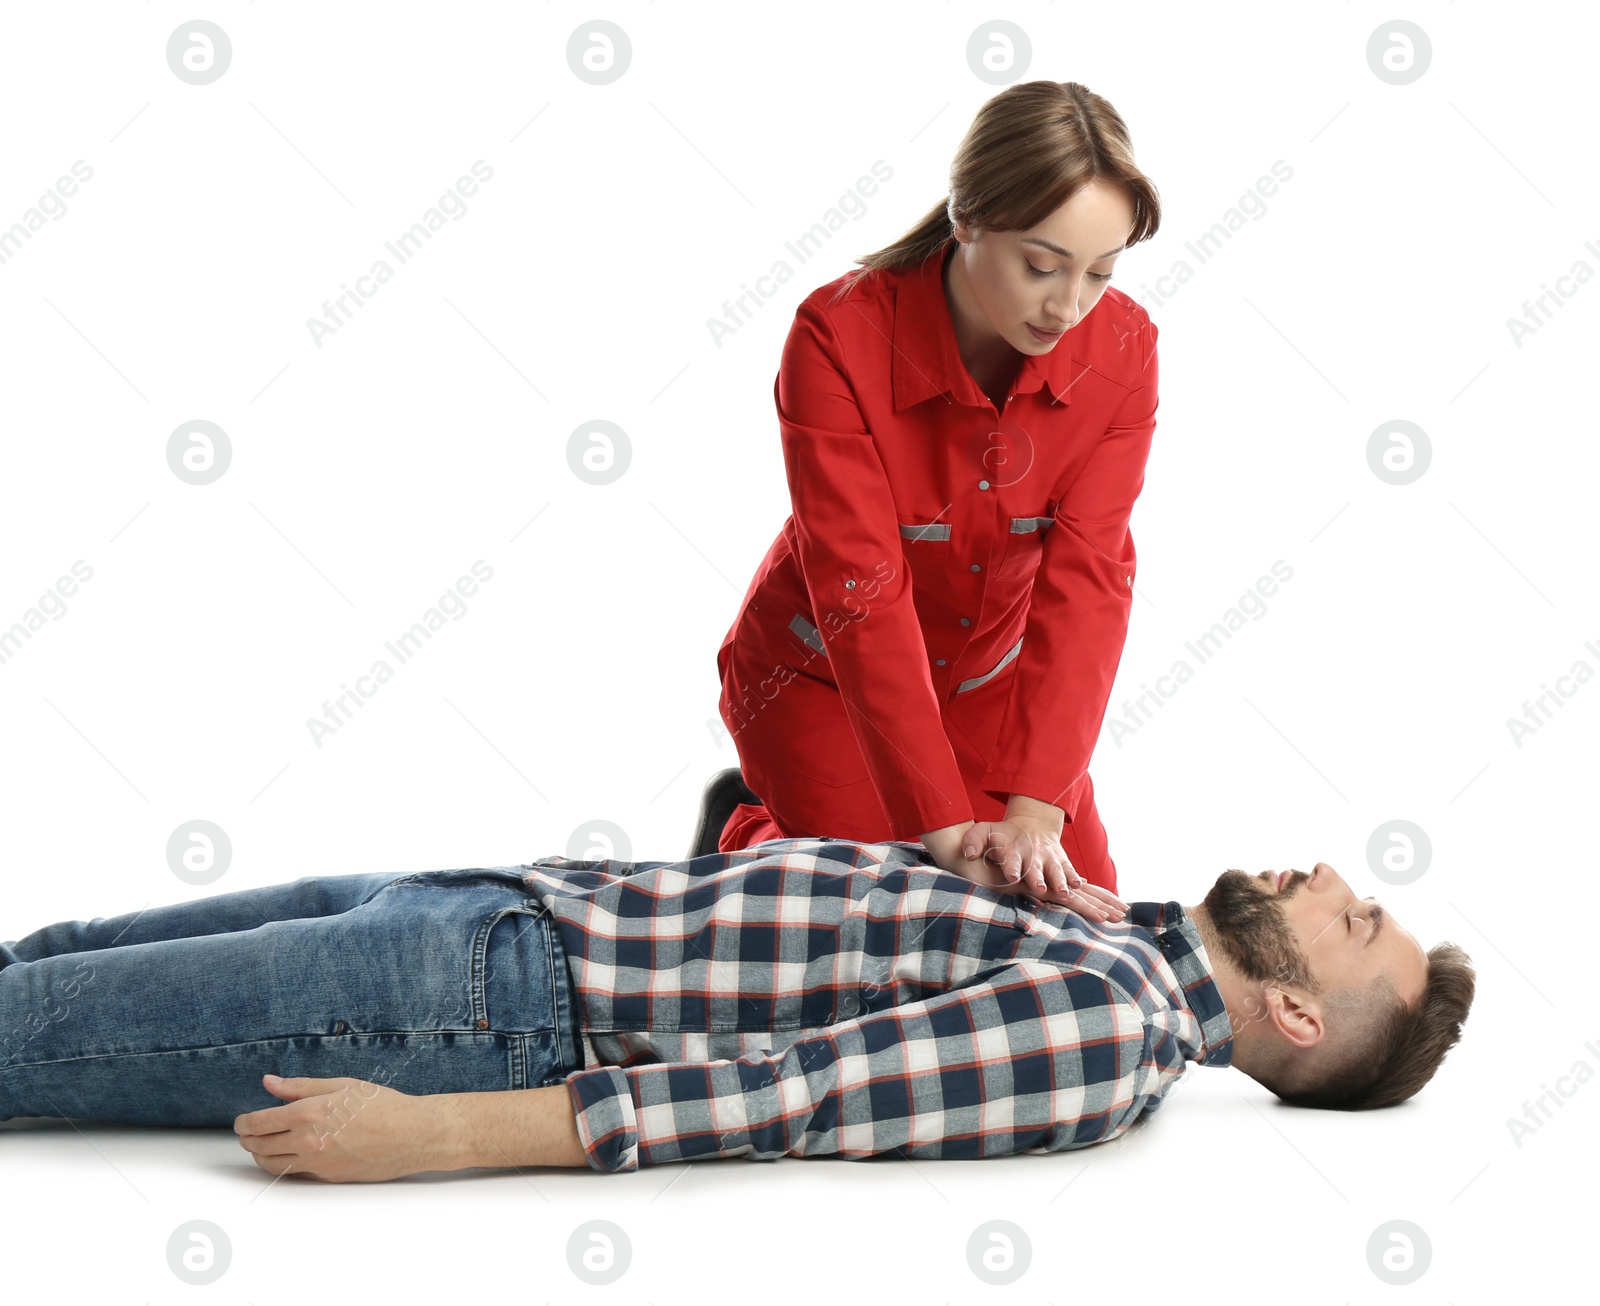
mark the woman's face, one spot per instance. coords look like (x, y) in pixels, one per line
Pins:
(1051, 275)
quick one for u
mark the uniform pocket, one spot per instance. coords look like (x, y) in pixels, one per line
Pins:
(1025, 547)
(985, 677)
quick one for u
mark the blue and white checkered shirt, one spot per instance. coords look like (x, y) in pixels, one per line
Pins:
(811, 997)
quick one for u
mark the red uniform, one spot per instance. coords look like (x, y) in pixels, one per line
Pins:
(938, 624)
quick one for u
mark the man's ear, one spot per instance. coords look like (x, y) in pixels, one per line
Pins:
(1295, 1016)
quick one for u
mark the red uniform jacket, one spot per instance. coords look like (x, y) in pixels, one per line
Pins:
(951, 580)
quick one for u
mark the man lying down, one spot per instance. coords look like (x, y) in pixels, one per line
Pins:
(803, 997)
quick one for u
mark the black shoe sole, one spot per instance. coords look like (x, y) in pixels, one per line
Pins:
(723, 792)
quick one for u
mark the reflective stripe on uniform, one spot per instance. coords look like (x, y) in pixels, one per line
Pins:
(993, 671)
(809, 633)
(812, 636)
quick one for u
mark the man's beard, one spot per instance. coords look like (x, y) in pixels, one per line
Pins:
(1250, 927)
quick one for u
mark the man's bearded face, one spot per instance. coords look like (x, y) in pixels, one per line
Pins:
(1253, 931)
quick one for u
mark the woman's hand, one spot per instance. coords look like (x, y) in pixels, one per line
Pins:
(948, 847)
(1027, 851)
(1090, 901)
(944, 846)
(346, 1130)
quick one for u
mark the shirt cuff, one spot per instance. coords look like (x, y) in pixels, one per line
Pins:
(608, 1126)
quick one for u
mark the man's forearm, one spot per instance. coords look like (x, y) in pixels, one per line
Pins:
(517, 1127)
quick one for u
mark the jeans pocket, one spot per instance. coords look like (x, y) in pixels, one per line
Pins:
(513, 971)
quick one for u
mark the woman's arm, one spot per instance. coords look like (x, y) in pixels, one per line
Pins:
(1078, 614)
(1046, 815)
(860, 587)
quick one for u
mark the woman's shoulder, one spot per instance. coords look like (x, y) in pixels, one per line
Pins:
(854, 311)
(1125, 315)
(1118, 338)
(851, 293)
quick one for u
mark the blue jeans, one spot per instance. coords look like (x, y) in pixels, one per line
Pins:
(435, 982)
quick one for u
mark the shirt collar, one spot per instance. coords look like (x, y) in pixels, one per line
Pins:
(1175, 933)
(927, 360)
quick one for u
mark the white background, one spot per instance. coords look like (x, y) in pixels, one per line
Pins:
(367, 474)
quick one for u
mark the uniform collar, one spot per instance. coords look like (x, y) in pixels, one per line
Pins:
(1175, 933)
(927, 360)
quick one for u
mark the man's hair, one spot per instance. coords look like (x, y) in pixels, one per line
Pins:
(1377, 1050)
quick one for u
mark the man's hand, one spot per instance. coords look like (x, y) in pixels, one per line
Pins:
(347, 1131)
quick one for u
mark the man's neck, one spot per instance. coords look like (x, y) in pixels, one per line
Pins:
(1239, 996)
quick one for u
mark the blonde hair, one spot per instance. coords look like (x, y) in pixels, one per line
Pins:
(1030, 149)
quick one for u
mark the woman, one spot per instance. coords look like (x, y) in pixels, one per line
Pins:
(927, 649)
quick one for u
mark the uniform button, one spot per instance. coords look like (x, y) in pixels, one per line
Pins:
(966, 621)
(482, 1023)
(975, 567)
(983, 485)
(849, 584)
(938, 661)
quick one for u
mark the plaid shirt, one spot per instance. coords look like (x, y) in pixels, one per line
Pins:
(817, 996)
